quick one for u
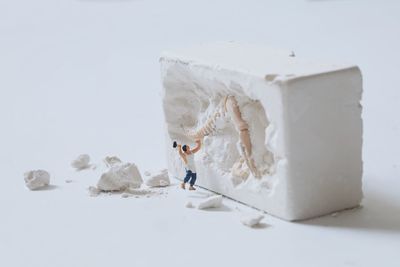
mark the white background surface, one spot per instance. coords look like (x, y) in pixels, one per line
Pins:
(83, 77)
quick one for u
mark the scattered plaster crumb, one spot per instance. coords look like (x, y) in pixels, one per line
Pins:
(81, 162)
(93, 191)
(138, 191)
(189, 205)
(126, 195)
(36, 179)
(159, 179)
(94, 166)
(211, 202)
(251, 220)
(335, 214)
(111, 161)
(68, 181)
(147, 173)
(120, 177)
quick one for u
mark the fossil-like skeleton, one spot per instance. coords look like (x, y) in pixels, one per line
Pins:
(229, 106)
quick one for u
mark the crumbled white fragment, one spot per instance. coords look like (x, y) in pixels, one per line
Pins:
(126, 195)
(147, 173)
(335, 214)
(159, 179)
(68, 181)
(36, 179)
(111, 161)
(189, 205)
(120, 177)
(211, 202)
(81, 162)
(93, 191)
(137, 191)
(251, 220)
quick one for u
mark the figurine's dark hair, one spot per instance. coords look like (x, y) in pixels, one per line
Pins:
(184, 148)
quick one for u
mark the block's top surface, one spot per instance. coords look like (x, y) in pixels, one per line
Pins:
(252, 59)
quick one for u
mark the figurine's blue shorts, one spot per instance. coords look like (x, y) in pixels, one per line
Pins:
(190, 176)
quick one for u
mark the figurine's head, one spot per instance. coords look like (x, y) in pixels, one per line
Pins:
(186, 149)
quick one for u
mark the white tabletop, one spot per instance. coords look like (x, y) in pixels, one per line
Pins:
(83, 77)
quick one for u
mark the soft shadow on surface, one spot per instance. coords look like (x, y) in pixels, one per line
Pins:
(378, 213)
(47, 188)
(223, 208)
(260, 226)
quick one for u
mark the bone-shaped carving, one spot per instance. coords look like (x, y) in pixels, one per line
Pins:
(229, 106)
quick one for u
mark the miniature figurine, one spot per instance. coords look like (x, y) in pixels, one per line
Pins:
(187, 156)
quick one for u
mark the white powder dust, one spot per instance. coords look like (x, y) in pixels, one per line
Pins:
(81, 162)
(251, 220)
(158, 179)
(211, 202)
(120, 177)
(36, 179)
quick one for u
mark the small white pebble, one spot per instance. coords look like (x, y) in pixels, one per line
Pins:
(126, 195)
(68, 181)
(251, 220)
(81, 162)
(37, 179)
(211, 202)
(335, 214)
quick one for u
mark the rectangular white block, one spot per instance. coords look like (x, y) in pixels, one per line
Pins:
(303, 120)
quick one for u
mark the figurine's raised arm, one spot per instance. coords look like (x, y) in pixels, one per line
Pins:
(198, 146)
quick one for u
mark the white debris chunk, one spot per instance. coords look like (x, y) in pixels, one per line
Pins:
(211, 202)
(68, 181)
(251, 220)
(111, 161)
(37, 179)
(159, 179)
(93, 191)
(81, 162)
(147, 173)
(120, 177)
(189, 205)
(126, 195)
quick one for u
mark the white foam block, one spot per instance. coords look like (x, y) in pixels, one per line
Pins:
(303, 118)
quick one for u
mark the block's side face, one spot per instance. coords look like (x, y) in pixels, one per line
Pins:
(192, 94)
(324, 130)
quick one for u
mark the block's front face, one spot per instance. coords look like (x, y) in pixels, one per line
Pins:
(304, 133)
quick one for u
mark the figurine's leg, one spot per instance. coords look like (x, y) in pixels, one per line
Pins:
(193, 180)
(186, 179)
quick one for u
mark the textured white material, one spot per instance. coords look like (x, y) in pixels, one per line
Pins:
(251, 220)
(81, 162)
(211, 202)
(158, 179)
(111, 161)
(304, 122)
(37, 179)
(120, 177)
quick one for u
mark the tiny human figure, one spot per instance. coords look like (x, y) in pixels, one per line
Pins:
(187, 156)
